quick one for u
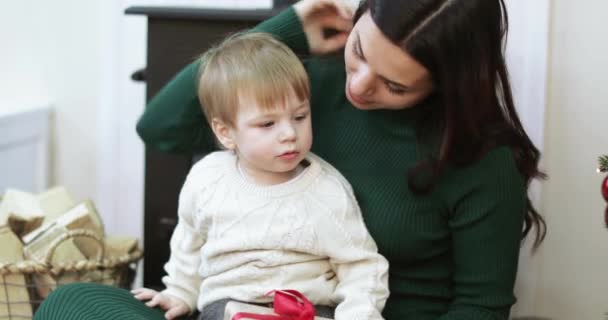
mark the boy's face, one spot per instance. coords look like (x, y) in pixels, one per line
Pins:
(271, 143)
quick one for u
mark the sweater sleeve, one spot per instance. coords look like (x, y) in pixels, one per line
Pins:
(362, 272)
(173, 120)
(486, 223)
(183, 280)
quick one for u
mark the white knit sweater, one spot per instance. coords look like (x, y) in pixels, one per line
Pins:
(238, 240)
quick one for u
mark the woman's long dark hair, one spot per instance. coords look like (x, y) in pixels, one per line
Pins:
(461, 43)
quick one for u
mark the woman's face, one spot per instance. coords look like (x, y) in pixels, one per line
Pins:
(380, 75)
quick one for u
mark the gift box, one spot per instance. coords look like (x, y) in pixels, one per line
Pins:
(37, 248)
(234, 307)
(14, 296)
(287, 304)
(20, 205)
(83, 216)
(55, 202)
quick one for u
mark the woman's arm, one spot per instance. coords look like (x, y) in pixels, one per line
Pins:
(173, 120)
(486, 224)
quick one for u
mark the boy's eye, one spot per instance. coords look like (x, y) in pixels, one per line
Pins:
(267, 124)
(301, 117)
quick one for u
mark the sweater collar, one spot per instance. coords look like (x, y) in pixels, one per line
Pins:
(297, 184)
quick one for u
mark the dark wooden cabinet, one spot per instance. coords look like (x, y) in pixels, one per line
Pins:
(176, 36)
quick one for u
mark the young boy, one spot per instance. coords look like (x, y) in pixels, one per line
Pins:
(266, 213)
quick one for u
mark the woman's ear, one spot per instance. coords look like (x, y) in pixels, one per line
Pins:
(224, 133)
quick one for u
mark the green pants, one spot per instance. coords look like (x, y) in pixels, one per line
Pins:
(88, 301)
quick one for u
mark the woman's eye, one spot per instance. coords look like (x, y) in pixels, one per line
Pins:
(356, 51)
(395, 89)
(267, 124)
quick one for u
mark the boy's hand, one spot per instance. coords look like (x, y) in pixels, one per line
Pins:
(173, 306)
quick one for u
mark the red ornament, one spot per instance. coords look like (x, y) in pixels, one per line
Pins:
(605, 195)
(605, 188)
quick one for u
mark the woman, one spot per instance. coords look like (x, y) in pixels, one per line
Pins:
(418, 116)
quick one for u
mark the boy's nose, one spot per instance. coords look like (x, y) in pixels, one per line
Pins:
(288, 133)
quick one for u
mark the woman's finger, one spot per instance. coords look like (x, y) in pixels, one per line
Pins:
(345, 9)
(335, 42)
(336, 23)
(307, 8)
(342, 7)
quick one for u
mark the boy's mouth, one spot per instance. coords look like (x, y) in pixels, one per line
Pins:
(290, 155)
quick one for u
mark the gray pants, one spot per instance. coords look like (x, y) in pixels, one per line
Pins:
(215, 311)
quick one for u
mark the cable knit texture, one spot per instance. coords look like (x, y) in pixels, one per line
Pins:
(235, 239)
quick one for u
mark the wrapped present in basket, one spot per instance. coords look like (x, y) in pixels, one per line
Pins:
(49, 240)
(22, 208)
(46, 206)
(38, 243)
(118, 247)
(14, 295)
(46, 275)
(38, 248)
(55, 202)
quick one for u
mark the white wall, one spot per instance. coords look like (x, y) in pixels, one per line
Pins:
(574, 271)
(77, 57)
(23, 80)
(527, 48)
(121, 160)
(48, 55)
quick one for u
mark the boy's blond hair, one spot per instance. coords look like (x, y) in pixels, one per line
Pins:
(249, 65)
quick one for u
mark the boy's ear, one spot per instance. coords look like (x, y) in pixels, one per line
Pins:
(223, 132)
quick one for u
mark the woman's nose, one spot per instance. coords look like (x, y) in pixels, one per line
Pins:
(361, 82)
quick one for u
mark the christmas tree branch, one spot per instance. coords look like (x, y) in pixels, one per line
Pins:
(603, 160)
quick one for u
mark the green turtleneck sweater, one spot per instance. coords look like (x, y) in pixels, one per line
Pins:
(453, 253)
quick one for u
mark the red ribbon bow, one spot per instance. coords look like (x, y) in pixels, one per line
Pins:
(288, 304)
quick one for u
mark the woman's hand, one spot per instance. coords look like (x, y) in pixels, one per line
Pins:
(173, 306)
(320, 15)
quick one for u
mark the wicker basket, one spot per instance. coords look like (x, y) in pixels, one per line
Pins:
(116, 271)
